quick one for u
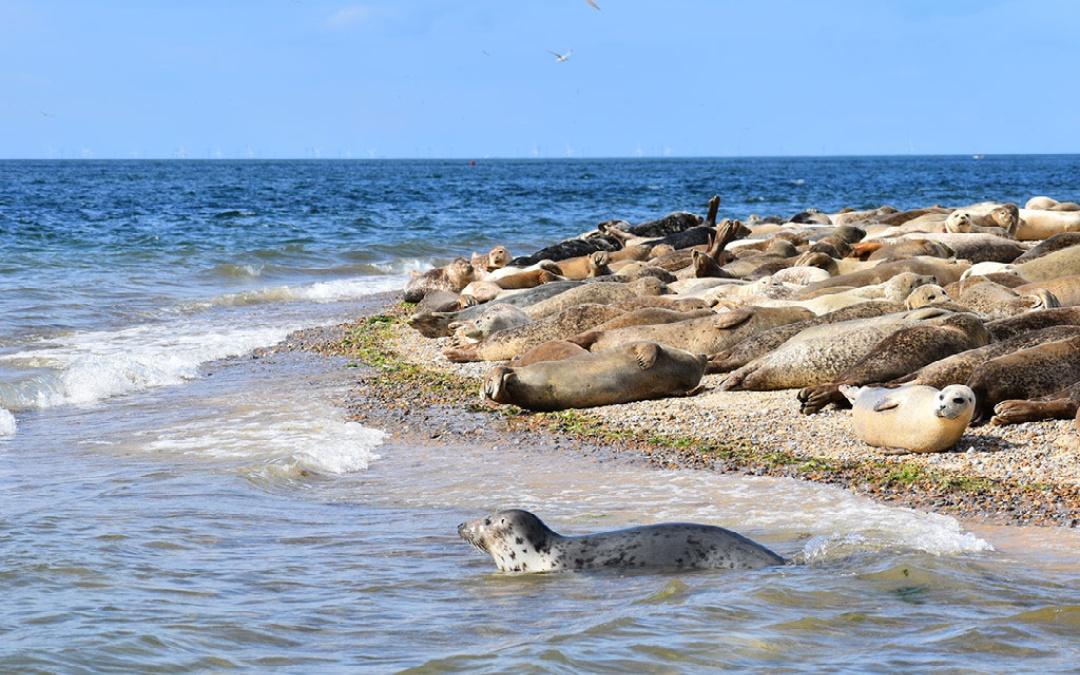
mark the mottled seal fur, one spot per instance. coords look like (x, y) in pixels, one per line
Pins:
(556, 350)
(635, 372)
(1061, 405)
(437, 324)
(506, 344)
(912, 418)
(1026, 374)
(518, 541)
(706, 335)
(596, 293)
(453, 278)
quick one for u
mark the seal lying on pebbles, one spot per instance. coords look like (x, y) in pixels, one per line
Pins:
(912, 418)
(597, 293)
(706, 335)
(905, 351)
(762, 343)
(820, 354)
(633, 372)
(1026, 374)
(437, 324)
(498, 318)
(518, 541)
(506, 344)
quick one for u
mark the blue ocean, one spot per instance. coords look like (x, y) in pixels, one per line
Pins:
(169, 503)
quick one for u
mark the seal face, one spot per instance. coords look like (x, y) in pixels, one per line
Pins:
(518, 541)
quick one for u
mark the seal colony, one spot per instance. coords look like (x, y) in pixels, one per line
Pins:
(983, 296)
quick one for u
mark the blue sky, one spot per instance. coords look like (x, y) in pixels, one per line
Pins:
(425, 78)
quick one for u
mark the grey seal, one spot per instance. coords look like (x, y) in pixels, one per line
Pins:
(519, 541)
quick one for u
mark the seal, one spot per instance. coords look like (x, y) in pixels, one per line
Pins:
(596, 293)
(634, 372)
(1066, 290)
(902, 249)
(705, 335)
(997, 302)
(508, 343)
(1050, 204)
(437, 324)
(957, 369)
(1042, 224)
(762, 343)
(976, 248)
(1054, 243)
(926, 295)
(498, 318)
(440, 301)
(556, 350)
(651, 316)
(902, 352)
(453, 278)
(518, 541)
(820, 354)
(1001, 220)
(1062, 405)
(913, 418)
(1026, 374)
(1003, 329)
(943, 271)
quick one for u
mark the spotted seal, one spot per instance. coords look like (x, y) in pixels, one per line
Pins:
(453, 278)
(518, 541)
(1026, 374)
(516, 339)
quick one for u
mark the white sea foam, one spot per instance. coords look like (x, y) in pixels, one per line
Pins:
(283, 437)
(7, 423)
(87, 367)
(322, 292)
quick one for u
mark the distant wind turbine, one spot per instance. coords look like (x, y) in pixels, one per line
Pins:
(559, 58)
(592, 3)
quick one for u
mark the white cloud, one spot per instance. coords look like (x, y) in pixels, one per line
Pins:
(349, 16)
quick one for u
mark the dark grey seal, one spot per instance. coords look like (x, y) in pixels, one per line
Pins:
(519, 541)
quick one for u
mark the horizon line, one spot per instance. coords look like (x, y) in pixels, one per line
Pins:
(979, 155)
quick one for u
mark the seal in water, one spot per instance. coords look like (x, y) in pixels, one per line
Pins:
(519, 541)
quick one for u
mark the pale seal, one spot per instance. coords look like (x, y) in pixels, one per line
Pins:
(518, 541)
(912, 418)
(1042, 224)
(453, 278)
(633, 372)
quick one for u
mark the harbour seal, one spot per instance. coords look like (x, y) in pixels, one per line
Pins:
(975, 247)
(925, 295)
(913, 418)
(997, 302)
(1042, 224)
(705, 335)
(1054, 243)
(1045, 203)
(526, 279)
(440, 301)
(1066, 290)
(1003, 329)
(453, 278)
(596, 293)
(437, 324)
(957, 369)
(900, 353)
(508, 343)
(943, 271)
(634, 372)
(498, 318)
(820, 354)
(652, 316)
(518, 541)
(1026, 374)
(762, 343)
(1062, 405)
(556, 350)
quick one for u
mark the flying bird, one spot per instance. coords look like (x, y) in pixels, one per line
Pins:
(559, 58)
(592, 3)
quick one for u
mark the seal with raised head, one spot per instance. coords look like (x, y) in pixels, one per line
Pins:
(453, 278)
(635, 372)
(912, 418)
(518, 541)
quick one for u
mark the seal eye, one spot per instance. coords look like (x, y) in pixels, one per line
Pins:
(958, 400)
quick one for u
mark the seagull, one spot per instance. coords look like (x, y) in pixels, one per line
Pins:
(592, 3)
(559, 58)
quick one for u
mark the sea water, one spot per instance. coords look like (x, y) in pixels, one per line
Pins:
(168, 502)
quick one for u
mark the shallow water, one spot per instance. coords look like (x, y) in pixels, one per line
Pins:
(169, 503)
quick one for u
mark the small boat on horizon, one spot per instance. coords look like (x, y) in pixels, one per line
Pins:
(978, 156)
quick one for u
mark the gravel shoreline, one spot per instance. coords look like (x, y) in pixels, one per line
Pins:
(1023, 474)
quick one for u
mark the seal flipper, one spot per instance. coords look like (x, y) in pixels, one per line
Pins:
(646, 354)
(734, 318)
(886, 404)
